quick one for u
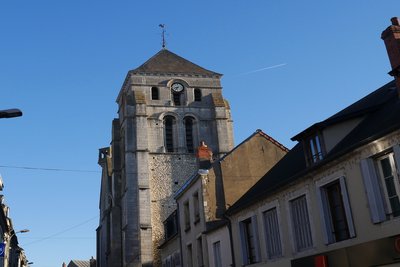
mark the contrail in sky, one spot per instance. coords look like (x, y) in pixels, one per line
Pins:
(266, 68)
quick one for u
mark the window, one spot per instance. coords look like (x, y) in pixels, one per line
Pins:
(301, 224)
(249, 241)
(272, 234)
(124, 211)
(196, 207)
(177, 98)
(217, 254)
(382, 185)
(336, 211)
(314, 149)
(108, 233)
(197, 95)
(189, 134)
(168, 262)
(390, 181)
(200, 252)
(186, 213)
(177, 259)
(189, 254)
(171, 226)
(169, 122)
(155, 94)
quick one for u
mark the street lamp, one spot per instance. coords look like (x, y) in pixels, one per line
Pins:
(10, 113)
(13, 251)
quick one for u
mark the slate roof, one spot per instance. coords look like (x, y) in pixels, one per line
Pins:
(166, 62)
(362, 106)
(215, 225)
(79, 263)
(381, 115)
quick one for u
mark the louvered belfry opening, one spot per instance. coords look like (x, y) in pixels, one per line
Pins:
(189, 134)
(169, 133)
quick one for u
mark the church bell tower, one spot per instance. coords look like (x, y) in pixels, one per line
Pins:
(166, 107)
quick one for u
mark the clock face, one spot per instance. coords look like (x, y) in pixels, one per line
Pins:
(177, 87)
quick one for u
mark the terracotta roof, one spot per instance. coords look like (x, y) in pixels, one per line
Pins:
(79, 263)
(380, 111)
(166, 62)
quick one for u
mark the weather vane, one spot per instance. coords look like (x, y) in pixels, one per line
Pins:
(162, 26)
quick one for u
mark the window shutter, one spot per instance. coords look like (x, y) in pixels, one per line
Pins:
(254, 224)
(272, 234)
(326, 217)
(347, 207)
(372, 188)
(243, 243)
(396, 150)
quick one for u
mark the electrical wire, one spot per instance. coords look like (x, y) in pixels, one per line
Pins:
(61, 232)
(45, 169)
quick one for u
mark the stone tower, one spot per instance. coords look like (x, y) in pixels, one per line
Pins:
(166, 107)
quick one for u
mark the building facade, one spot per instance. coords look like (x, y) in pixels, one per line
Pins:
(334, 199)
(203, 230)
(165, 108)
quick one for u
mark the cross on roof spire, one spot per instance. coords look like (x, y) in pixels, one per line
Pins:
(162, 26)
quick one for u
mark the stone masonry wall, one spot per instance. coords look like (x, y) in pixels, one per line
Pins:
(168, 172)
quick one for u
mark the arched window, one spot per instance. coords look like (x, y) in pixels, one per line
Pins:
(176, 98)
(189, 121)
(169, 122)
(155, 94)
(197, 95)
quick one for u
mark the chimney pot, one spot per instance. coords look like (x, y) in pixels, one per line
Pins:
(395, 21)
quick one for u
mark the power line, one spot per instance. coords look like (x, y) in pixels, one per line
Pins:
(45, 169)
(54, 238)
(61, 232)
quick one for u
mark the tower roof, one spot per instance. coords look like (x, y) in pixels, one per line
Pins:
(166, 62)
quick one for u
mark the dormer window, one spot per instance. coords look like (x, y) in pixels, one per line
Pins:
(171, 226)
(155, 94)
(314, 149)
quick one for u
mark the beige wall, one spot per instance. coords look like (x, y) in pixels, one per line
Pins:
(347, 166)
(228, 180)
(220, 235)
(170, 249)
(221, 187)
(191, 235)
(246, 165)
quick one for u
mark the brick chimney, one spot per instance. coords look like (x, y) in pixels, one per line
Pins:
(391, 37)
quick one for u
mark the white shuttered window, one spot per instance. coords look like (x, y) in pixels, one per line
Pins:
(249, 241)
(272, 234)
(382, 185)
(301, 224)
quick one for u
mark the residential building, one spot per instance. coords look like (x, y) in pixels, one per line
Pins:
(203, 236)
(165, 108)
(333, 200)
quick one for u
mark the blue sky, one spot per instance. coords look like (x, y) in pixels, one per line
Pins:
(286, 65)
